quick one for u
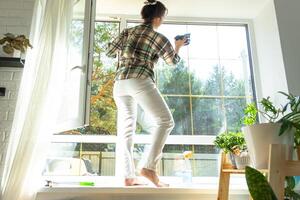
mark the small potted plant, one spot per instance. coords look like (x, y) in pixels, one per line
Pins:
(229, 142)
(277, 130)
(11, 43)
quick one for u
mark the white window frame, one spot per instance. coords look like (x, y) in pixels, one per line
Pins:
(172, 139)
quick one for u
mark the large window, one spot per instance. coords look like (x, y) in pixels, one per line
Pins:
(206, 93)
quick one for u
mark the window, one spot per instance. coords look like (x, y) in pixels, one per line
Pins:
(206, 93)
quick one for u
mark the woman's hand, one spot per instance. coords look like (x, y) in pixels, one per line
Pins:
(179, 44)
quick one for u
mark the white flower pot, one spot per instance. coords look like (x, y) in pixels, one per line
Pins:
(3, 54)
(242, 161)
(16, 54)
(258, 138)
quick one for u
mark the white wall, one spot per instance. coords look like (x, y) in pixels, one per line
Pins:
(269, 71)
(187, 8)
(10, 79)
(288, 19)
(15, 17)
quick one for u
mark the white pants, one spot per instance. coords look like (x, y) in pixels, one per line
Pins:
(128, 95)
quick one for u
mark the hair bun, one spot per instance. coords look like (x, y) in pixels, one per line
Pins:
(150, 2)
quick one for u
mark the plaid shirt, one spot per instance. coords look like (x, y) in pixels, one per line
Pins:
(140, 48)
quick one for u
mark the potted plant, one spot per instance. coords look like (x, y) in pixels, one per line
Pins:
(10, 43)
(229, 143)
(291, 121)
(276, 131)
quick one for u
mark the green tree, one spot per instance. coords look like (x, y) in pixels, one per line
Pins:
(103, 108)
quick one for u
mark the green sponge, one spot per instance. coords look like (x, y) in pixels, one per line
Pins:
(85, 183)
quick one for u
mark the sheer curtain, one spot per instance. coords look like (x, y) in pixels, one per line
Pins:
(40, 99)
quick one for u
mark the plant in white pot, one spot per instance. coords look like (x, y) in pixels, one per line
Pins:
(278, 130)
(291, 121)
(12, 44)
(231, 143)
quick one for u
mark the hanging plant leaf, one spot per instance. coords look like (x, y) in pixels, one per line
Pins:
(10, 35)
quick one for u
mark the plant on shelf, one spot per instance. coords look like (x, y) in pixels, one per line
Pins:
(268, 111)
(280, 120)
(10, 43)
(271, 113)
(230, 143)
(291, 121)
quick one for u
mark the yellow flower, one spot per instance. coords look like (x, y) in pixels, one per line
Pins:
(187, 154)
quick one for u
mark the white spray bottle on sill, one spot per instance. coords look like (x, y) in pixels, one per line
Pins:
(187, 172)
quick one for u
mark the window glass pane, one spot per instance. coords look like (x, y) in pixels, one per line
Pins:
(63, 160)
(204, 160)
(173, 80)
(80, 159)
(234, 113)
(233, 78)
(180, 109)
(100, 158)
(208, 117)
(205, 77)
(232, 41)
(204, 43)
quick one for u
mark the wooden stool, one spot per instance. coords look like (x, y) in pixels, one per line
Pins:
(280, 166)
(225, 171)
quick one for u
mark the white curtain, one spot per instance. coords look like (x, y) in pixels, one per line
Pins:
(40, 100)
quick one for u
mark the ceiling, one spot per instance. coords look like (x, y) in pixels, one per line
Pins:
(188, 8)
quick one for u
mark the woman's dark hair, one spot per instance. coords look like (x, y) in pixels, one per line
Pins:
(153, 9)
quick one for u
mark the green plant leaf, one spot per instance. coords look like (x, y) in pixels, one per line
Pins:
(250, 114)
(258, 186)
(9, 35)
(284, 127)
(8, 49)
(289, 96)
(291, 183)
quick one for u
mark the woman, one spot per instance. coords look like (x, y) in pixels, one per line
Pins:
(139, 49)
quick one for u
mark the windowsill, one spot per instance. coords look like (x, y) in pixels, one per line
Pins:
(109, 185)
(136, 190)
(136, 193)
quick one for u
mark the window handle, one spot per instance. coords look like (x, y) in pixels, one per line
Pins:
(83, 67)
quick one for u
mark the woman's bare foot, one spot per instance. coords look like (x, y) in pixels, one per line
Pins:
(133, 182)
(152, 176)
